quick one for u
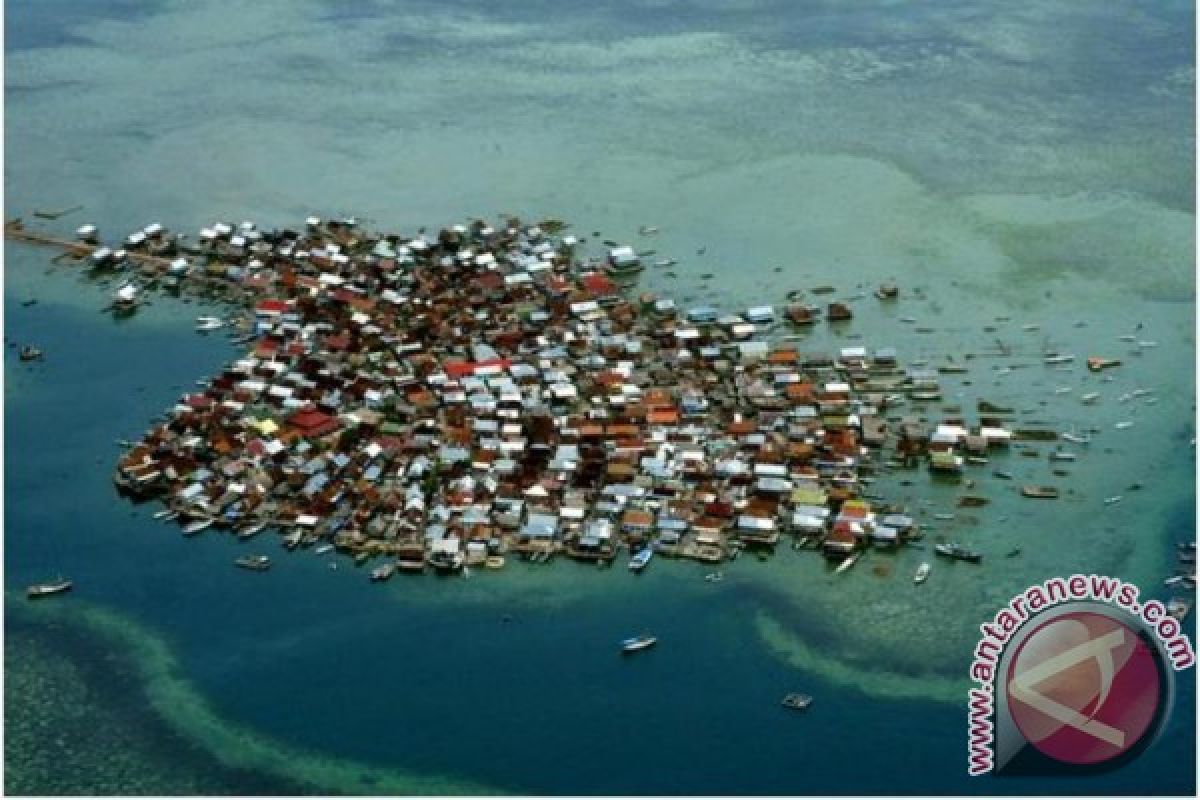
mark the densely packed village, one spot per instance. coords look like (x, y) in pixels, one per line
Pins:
(447, 400)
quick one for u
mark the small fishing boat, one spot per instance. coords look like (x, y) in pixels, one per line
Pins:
(494, 562)
(797, 701)
(125, 299)
(1112, 501)
(197, 525)
(256, 563)
(641, 559)
(714, 577)
(958, 552)
(665, 262)
(1059, 359)
(383, 573)
(164, 513)
(1089, 398)
(1178, 608)
(638, 643)
(922, 573)
(848, 562)
(1075, 438)
(206, 324)
(1123, 425)
(1002, 474)
(30, 353)
(251, 530)
(57, 586)
(323, 549)
(1043, 492)
(1062, 455)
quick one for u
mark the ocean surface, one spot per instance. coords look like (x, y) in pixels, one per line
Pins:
(1006, 167)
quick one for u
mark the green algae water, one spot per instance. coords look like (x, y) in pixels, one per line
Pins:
(1001, 178)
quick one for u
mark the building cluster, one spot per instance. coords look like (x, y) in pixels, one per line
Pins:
(444, 400)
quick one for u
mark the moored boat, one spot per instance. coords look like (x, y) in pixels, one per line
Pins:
(641, 559)
(922, 573)
(197, 525)
(1044, 492)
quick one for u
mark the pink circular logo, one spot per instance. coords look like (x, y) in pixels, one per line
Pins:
(1083, 688)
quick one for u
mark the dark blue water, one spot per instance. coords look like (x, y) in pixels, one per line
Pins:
(541, 703)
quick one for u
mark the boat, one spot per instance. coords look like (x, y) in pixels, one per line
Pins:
(256, 563)
(323, 549)
(1098, 363)
(197, 525)
(922, 573)
(1112, 501)
(205, 324)
(848, 562)
(57, 586)
(382, 573)
(1123, 425)
(797, 701)
(1075, 438)
(494, 562)
(30, 353)
(1059, 359)
(1062, 455)
(1002, 474)
(292, 540)
(1089, 398)
(638, 643)
(1178, 608)
(125, 298)
(251, 530)
(1044, 492)
(957, 552)
(714, 577)
(443, 561)
(641, 559)
(164, 513)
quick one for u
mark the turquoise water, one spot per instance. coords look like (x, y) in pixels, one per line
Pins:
(1033, 165)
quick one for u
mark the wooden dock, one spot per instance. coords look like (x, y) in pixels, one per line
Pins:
(200, 281)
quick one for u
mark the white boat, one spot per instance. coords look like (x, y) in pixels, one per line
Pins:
(637, 643)
(205, 324)
(714, 577)
(922, 572)
(1059, 359)
(197, 525)
(1123, 425)
(849, 562)
(323, 549)
(166, 512)
(641, 559)
(1116, 498)
(1090, 397)
(1076, 438)
(126, 297)
(251, 530)
(51, 587)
